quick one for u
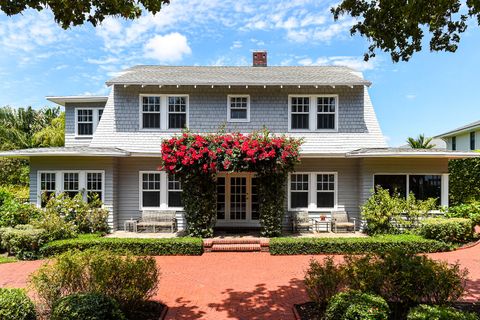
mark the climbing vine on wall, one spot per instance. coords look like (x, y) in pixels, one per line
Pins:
(197, 159)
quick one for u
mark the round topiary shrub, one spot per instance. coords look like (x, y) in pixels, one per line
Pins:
(356, 305)
(87, 306)
(16, 305)
(425, 312)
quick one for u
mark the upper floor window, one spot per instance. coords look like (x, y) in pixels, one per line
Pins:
(319, 112)
(86, 120)
(454, 143)
(472, 141)
(238, 109)
(163, 112)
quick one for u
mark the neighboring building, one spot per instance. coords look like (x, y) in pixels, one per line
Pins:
(436, 142)
(113, 143)
(466, 138)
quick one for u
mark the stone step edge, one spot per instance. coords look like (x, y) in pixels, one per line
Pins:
(261, 241)
(235, 247)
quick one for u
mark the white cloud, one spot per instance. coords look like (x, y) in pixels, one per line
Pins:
(356, 63)
(168, 48)
(236, 45)
(411, 96)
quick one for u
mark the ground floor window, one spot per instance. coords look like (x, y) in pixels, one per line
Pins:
(160, 191)
(312, 191)
(422, 186)
(86, 182)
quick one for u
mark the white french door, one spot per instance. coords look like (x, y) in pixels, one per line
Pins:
(237, 200)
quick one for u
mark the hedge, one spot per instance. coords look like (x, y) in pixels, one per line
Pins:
(448, 230)
(377, 244)
(16, 305)
(426, 312)
(154, 247)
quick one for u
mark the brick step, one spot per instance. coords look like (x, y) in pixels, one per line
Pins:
(249, 247)
(234, 241)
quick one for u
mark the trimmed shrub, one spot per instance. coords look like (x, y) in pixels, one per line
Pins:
(23, 241)
(463, 180)
(88, 306)
(154, 247)
(447, 230)
(406, 279)
(13, 213)
(324, 280)
(468, 210)
(378, 244)
(16, 305)
(356, 305)
(426, 312)
(127, 279)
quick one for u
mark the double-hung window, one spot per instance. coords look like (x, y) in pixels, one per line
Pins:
(238, 109)
(47, 186)
(150, 112)
(163, 112)
(312, 191)
(177, 112)
(71, 183)
(86, 120)
(472, 141)
(313, 113)
(300, 113)
(151, 190)
(174, 192)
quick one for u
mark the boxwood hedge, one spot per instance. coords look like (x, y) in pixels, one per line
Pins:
(154, 247)
(377, 244)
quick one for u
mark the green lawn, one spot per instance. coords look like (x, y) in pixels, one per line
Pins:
(7, 259)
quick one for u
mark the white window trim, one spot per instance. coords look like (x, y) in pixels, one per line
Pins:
(163, 192)
(312, 120)
(443, 183)
(163, 111)
(312, 192)
(82, 182)
(173, 190)
(229, 119)
(95, 120)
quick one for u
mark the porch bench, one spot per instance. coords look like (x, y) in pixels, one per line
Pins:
(158, 218)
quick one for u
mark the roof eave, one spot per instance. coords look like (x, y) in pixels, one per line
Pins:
(445, 155)
(62, 100)
(61, 154)
(457, 132)
(222, 84)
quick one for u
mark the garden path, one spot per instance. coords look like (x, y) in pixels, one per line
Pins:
(239, 285)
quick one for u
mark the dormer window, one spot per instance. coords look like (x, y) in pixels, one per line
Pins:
(313, 113)
(163, 112)
(238, 109)
(86, 121)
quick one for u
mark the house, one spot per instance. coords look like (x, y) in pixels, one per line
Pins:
(465, 138)
(112, 144)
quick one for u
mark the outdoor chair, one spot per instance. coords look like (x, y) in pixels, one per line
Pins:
(157, 219)
(301, 220)
(340, 220)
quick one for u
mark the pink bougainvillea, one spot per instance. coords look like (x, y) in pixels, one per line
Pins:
(233, 152)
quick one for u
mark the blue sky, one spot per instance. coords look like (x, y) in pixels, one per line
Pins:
(432, 93)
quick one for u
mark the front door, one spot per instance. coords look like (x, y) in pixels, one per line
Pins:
(237, 201)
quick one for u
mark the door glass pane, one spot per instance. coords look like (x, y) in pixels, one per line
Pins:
(221, 198)
(254, 197)
(238, 198)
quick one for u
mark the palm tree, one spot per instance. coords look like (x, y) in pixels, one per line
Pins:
(420, 142)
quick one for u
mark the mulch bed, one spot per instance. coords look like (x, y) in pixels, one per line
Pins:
(309, 311)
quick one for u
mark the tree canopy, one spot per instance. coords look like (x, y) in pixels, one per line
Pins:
(73, 13)
(420, 142)
(399, 26)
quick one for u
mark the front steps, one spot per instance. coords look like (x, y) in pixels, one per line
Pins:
(236, 245)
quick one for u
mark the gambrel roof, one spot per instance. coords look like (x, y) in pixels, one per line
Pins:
(253, 76)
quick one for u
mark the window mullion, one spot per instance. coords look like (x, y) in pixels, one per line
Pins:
(313, 112)
(82, 184)
(312, 193)
(163, 190)
(163, 112)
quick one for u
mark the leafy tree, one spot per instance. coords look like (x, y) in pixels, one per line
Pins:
(464, 180)
(53, 135)
(398, 26)
(73, 13)
(420, 142)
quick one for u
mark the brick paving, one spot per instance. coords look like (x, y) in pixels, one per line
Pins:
(239, 285)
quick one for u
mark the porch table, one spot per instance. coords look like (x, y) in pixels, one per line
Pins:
(325, 224)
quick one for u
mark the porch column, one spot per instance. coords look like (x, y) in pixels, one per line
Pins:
(445, 194)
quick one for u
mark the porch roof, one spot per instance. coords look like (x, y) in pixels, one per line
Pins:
(410, 153)
(66, 151)
(62, 100)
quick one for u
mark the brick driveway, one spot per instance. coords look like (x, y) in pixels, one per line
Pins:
(238, 285)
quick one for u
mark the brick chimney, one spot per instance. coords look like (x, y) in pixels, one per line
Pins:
(260, 58)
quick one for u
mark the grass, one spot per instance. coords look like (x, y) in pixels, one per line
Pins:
(7, 259)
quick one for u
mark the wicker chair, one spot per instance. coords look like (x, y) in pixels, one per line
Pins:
(340, 220)
(301, 220)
